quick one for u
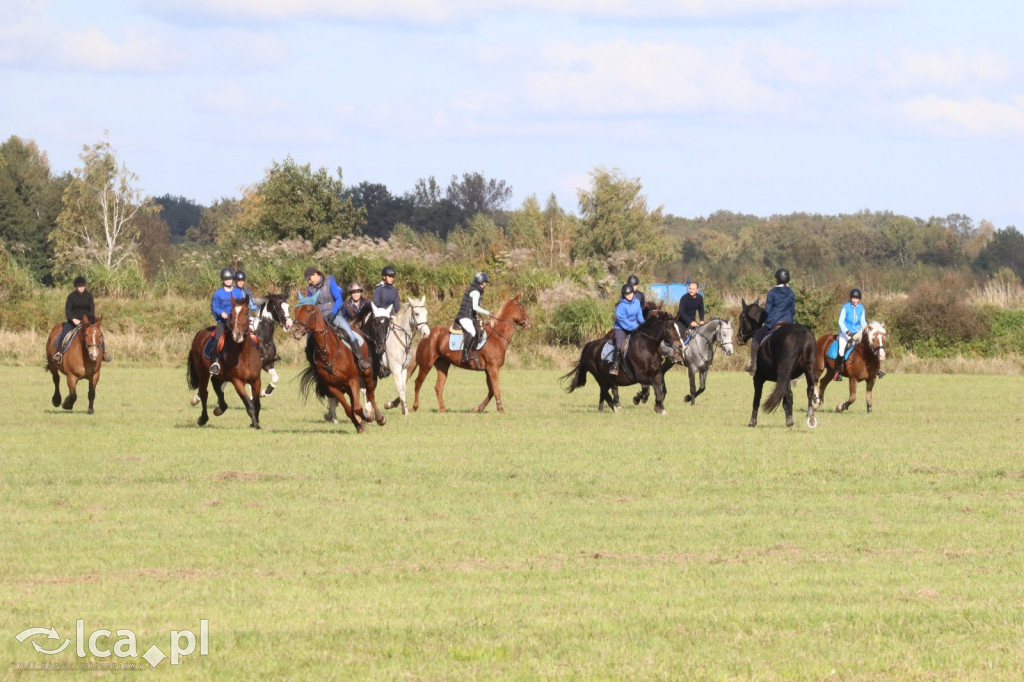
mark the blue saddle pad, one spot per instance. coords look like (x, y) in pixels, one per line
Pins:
(833, 350)
(607, 351)
(455, 341)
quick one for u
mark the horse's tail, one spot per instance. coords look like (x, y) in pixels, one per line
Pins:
(190, 372)
(310, 378)
(579, 377)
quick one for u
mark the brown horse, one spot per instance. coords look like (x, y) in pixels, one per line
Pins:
(334, 371)
(433, 351)
(863, 365)
(82, 360)
(241, 365)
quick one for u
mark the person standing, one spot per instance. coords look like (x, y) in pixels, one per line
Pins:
(779, 307)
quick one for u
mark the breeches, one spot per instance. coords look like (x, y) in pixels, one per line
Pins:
(620, 337)
(468, 324)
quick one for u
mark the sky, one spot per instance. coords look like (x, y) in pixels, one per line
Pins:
(752, 106)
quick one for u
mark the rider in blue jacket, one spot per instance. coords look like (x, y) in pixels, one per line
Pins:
(329, 301)
(779, 307)
(853, 319)
(220, 306)
(628, 316)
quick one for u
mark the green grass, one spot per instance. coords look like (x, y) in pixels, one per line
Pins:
(552, 541)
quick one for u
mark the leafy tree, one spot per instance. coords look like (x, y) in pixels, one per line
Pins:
(98, 221)
(295, 202)
(1006, 250)
(180, 214)
(213, 220)
(615, 220)
(438, 211)
(900, 238)
(383, 210)
(30, 200)
(155, 248)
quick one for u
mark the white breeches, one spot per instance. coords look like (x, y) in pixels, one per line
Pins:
(467, 324)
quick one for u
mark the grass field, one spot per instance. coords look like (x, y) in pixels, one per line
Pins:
(552, 541)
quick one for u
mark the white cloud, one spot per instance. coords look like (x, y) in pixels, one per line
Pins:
(138, 52)
(953, 69)
(977, 117)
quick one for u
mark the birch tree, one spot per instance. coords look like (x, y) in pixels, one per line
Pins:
(98, 221)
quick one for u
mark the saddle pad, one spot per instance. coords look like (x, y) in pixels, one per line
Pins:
(65, 343)
(607, 351)
(833, 350)
(455, 341)
(208, 346)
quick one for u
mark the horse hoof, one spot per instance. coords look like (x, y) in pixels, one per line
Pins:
(382, 419)
(270, 389)
(195, 400)
(476, 410)
(660, 410)
(752, 423)
(405, 410)
(202, 421)
(90, 411)
(789, 423)
(56, 402)
(636, 400)
(812, 422)
(217, 411)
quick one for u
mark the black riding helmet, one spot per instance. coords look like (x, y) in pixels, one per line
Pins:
(855, 293)
(782, 276)
(226, 273)
(240, 275)
(388, 271)
(627, 289)
(632, 280)
(481, 277)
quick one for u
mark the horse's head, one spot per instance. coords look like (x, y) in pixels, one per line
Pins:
(514, 311)
(305, 319)
(92, 334)
(238, 322)
(419, 315)
(277, 307)
(377, 325)
(752, 317)
(672, 336)
(724, 334)
(875, 336)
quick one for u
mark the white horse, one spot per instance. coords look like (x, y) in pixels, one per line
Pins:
(398, 346)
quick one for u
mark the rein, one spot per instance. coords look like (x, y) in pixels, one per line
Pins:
(306, 330)
(494, 328)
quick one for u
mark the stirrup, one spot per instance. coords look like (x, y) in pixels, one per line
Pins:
(215, 367)
(614, 369)
(57, 357)
(880, 374)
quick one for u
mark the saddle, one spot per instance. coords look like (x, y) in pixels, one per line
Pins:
(833, 349)
(64, 343)
(608, 350)
(208, 346)
(775, 328)
(455, 340)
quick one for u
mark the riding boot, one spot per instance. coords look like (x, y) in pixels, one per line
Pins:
(840, 365)
(357, 351)
(616, 358)
(752, 367)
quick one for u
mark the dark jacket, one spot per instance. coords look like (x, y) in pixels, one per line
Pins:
(330, 299)
(354, 311)
(466, 307)
(691, 308)
(779, 306)
(385, 294)
(79, 305)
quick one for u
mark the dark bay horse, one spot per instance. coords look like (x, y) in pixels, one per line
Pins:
(643, 363)
(785, 354)
(333, 371)
(241, 366)
(82, 360)
(863, 365)
(433, 351)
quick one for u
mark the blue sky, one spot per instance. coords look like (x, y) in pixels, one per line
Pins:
(753, 106)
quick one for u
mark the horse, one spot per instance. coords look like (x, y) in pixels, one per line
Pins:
(273, 310)
(398, 347)
(241, 366)
(785, 354)
(642, 363)
(865, 360)
(82, 360)
(333, 370)
(433, 351)
(697, 355)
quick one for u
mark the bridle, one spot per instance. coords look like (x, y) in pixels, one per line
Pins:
(99, 339)
(516, 323)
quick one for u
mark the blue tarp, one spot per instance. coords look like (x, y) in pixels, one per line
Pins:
(668, 293)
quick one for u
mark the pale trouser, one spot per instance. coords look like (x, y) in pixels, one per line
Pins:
(844, 340)
(467, 324)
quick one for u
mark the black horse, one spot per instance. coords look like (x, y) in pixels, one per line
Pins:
(642, 363)
(786, 353)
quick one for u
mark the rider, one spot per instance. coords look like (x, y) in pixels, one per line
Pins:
(356, 308)
(691, 308)
(634, 282)
(77, 307)
(467, 318)
(779, 307)
(853, 319)
(242, 290)
(329, 300)
(385, 293)
(220, 306)
(628, 317)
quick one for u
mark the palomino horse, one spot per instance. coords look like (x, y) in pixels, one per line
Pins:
(333, 371)
(642, 364)
(82, 360)
(273, 310)
(697, 355)
(785, 354)
(433, 351)
(241, 365)
(865, 360)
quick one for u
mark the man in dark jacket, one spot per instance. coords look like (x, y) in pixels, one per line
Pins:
(78, 306)
(691, 308)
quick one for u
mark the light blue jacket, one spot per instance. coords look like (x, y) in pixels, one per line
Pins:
(628, 315)
(852, 320)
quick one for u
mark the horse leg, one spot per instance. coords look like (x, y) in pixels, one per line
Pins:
(659, 393)
(787, 403)
(332, 410)
(272, 373)
(69, 402)
(92, 390)
(401, 380)
(352, 414)
(376, 413)
(441, 365)
(240, 387)
(692, 396)
(758, 388)
(257, 395)
(421, 375)
(853, 396)
(55, 399)
(703, 383)
(493, 389)
(869, 388)
(218, 389)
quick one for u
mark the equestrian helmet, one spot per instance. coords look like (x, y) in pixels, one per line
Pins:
(627, 289)
(239, 275)
(855, 293)
(80, 281)
(782, 276)
(355, 286)
(226, 273)
(632, 280)
(481, 277)
(388, 271)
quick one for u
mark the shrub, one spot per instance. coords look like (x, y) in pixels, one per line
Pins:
(937, 321)
(580, 321)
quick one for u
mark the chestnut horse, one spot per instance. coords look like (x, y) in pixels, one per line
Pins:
(865, 360)
(333, 371)
(241, 365)
(82, 360)
(432, 351)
